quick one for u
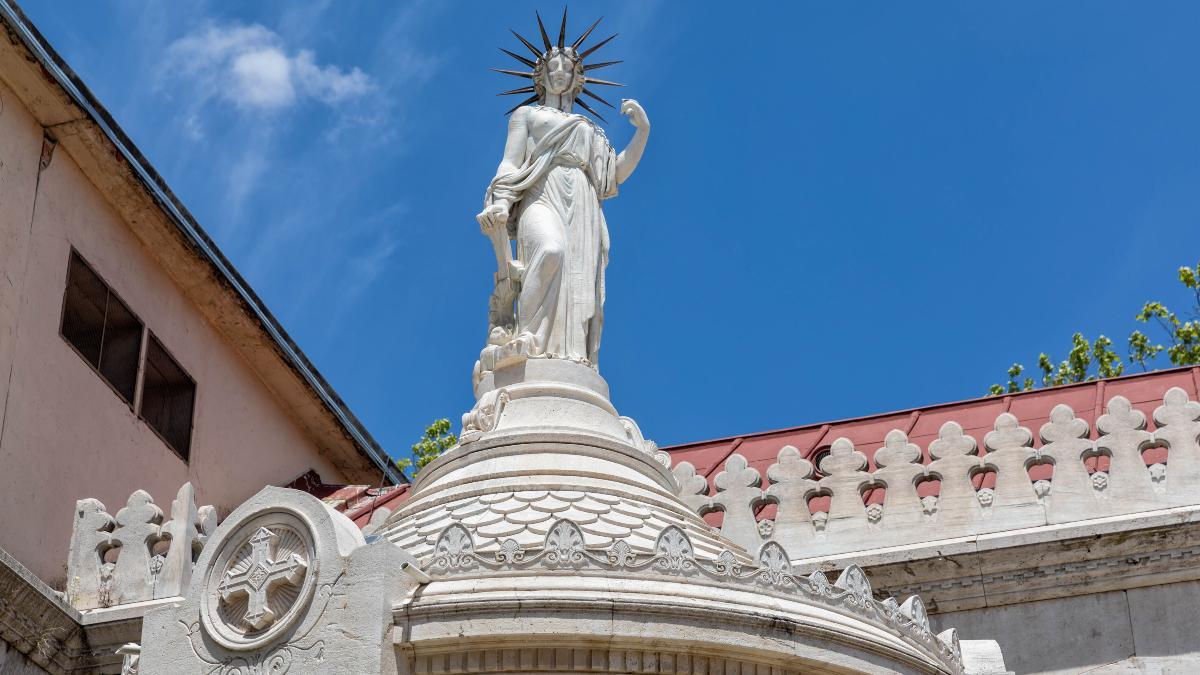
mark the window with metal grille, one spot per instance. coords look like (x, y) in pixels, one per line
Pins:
(101, 328)
(168, 394)
(107, 334)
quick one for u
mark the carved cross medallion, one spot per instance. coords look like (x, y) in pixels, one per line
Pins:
(260, 576)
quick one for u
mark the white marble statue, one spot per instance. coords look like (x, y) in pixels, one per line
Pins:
(558, 166)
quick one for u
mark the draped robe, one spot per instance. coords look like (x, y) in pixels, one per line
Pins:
(562, 237)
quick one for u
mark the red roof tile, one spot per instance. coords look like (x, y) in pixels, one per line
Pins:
(391, 499)
(358, 502)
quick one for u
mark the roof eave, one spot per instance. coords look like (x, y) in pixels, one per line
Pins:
(104, 129)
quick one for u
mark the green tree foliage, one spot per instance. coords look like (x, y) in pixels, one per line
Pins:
(1088, 360)
(437, 439)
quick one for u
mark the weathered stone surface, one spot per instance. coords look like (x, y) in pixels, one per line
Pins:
(89, 541)
(331, 599)
(693, 489)
(111, 560)
(900, 466)
(792, 483)
(38, 631)
(1142, 630)
(955, 461)
(1123, 434)
(739, 496)
(1178, 420)
(588, 623)
(13, 662)
(1065, 442)
(1163, 620)
(1030, 634)
(983, 657)
(187, 530)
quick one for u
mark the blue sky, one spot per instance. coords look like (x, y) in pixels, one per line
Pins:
(845, 208)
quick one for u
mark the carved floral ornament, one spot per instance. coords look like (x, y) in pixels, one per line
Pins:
(674, 555)
(260, 581)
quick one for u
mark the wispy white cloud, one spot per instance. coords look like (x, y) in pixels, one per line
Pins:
(259, 75)
(193, 128)
(251, 67)
(342, 263)
(368, 265)
(243, 177)
(251, 99)
(328, 83)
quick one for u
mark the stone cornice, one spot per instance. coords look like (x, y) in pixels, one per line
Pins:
(588, 634)
(1107, 554)
(35, 621)
(64, 106)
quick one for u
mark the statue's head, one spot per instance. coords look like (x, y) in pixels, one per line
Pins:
(558, 70)
(560, 73)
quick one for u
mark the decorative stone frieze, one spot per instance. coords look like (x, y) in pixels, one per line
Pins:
(792, 482)
(693, 489)
(738, 496)
(900, 467)
(112, 560)
(1077, 490)
(674, 556)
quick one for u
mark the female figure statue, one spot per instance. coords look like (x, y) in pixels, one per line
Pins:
(557, 168)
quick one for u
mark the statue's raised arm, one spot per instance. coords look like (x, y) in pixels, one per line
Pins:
(628, 160)
(558, 166)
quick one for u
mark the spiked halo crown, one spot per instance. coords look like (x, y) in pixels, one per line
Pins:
(542, 57)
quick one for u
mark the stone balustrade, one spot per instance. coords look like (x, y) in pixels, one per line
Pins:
(960, 489)
(135, 555)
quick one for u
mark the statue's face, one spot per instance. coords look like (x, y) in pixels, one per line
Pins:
(559, 74)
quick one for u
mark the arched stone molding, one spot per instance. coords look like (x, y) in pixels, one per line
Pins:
(530, 624)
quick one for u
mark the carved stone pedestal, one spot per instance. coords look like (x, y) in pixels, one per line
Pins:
(554, 541)
(537, 396)
(543, 443)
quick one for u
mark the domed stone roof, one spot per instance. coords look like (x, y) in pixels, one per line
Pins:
(556, 541)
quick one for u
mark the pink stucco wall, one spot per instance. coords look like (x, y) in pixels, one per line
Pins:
(64, 434)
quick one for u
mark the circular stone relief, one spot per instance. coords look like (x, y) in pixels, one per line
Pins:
(260, 581)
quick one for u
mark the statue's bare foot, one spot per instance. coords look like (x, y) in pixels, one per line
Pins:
(499, 336)
(526, 344)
